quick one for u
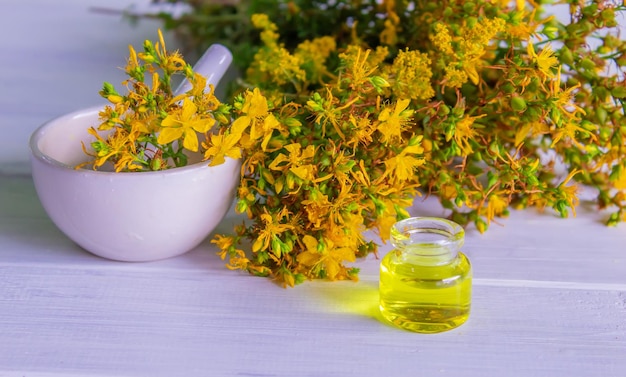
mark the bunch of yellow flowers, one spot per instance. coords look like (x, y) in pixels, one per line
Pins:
(317, 173)
(329, 154)
(314, 175)
(356, 107)
(513, 103)
(151, 127)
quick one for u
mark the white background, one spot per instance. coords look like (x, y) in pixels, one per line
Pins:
(54, 57)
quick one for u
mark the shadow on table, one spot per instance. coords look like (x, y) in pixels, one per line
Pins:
(347, 297)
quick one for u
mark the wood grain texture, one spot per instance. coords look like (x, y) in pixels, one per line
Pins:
(549, 294)
(161, 323)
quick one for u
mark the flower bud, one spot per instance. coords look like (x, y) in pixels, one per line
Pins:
(518, 104)
(292, 122)
(550, 31)
(156, 164)
(188, 71)
(443, 110)
(221, 118)
(566, 56)
(108, 88)
(607, 15)
(469, 7)
(471, 22)
(605, 134)
(427, 144)
(276, 246)
(458, 202)
(481, 225)
(379, 82)
(588, 64)
(114, 98)
(601, 115)
(619, 92)
(415, 140)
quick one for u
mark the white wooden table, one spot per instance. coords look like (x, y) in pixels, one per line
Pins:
(549, 294)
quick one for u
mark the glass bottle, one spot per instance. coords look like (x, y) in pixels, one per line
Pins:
(426, 282)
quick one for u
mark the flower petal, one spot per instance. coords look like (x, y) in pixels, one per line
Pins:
(190, 141)
(167, 135)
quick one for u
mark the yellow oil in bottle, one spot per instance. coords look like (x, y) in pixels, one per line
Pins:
(425, 298)
(424, 288)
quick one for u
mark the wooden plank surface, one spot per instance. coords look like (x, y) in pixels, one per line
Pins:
(550, 308)
(155, 322)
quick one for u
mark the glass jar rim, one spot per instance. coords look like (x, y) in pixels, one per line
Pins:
(433, 235)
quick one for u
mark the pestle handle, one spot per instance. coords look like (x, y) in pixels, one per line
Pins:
(212, 65)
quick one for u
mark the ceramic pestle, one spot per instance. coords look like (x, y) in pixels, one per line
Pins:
(212, 65)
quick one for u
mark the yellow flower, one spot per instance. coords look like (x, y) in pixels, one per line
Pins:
(127, 161)
(463, 133)
(389, 216)
(454, 77)
(272, 228)
(413, 73)
(198, 85)
(298, 167)
(262, 21)
(619, 181)
(342, 165)
(563, 99)
(358, 67)
(267, 127)
(110, 116)
(402, 167)
(534, 128)
(137, 128)
(133, 63)
(325, 256)
(255, 105)
(315, 52)
(363, 130)
(568, 131)
(441, 39)
(296, 162)
(240, 262)
(317, 209)
(348, 234)
(526, 30)
(471, 70)
(221, 146)
(170, 62)
(569, 191)
(389, 35)
(117, 149)
(392, 124)
(340, 212)
(465, 53)
(545, 60)
(477, 38)
(273, 63)
(328, 113)
(184, 123)
(495, 206)
(255, 110)
(223, 243)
